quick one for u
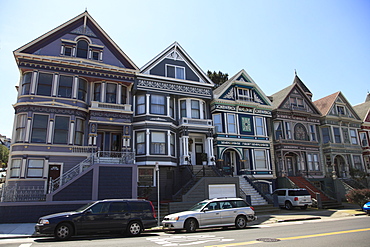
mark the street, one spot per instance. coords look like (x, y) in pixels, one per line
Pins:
(348, 231)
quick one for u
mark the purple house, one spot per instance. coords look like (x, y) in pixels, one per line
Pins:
(73, 116)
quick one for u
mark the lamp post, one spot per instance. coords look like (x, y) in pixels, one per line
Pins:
(158, 200)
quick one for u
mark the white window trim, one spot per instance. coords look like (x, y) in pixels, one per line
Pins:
(263, 125)
(227, 123)
(176, 66)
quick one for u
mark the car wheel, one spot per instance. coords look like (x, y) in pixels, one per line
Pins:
(240, 222)
(304, 207)
(288, 205)
(134, 228)
(191, 225)
(63, 231)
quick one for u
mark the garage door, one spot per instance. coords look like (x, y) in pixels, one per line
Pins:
(221, 190)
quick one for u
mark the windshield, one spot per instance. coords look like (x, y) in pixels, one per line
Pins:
(197, 207)
(84, 207)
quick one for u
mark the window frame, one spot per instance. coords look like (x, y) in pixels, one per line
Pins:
(39, 169)
(363, 139)
(140, 142)
(245, 94)
(65, 90)
(231, 124)
(44, 87)
(353, 136)
(61, 132)
(176, 75)
(140, 106)
(43, 130)
(258, 161)
(158, 147)
(337, 135)
(20, 129)
(26, 83)
(158, 104)
(261, 127)
(79, 131)
(216, 123)
(15, 171)
(82, 89)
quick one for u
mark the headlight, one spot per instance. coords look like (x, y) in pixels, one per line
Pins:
(44, 222)
(175, 218)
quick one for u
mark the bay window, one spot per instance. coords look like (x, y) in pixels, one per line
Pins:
(158, 143)
(39, 128)
(157, 104)
(61, 128)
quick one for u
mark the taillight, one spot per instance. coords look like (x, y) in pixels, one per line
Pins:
(295, 199)
(252, 208)
(153, 210)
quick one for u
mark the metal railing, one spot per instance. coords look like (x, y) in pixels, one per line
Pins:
(15, 193)
(105, 157)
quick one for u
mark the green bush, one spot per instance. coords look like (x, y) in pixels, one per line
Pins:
(359, 196)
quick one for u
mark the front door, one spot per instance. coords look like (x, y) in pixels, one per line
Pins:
(291, 163)
(109, 141)
(230, 164)
(54, 173)
(198, 153)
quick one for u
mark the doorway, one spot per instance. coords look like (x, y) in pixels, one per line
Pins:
(109, 141)
(54, 173)
(291, 165)
(339, 167)
(230, 163)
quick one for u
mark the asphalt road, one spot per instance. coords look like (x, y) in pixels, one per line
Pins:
(348, 231)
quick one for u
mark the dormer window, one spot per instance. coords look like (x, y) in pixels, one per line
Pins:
(340, 110)
(82, 48)
(245, 94)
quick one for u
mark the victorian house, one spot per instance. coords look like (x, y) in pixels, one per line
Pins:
(295, 132)
(363, 111)
(241, 115)
(172, 124)
(339, 128)
(72, 126)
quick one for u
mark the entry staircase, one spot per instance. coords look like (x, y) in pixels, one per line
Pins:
(327, 201)
(256, 198)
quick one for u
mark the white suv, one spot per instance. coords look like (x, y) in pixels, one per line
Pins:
(289, 198)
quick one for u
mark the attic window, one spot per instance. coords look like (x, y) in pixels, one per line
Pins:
(245, 94)
(175, 72)
(82, 48)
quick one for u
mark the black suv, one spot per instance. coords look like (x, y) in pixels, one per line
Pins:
(130, 216)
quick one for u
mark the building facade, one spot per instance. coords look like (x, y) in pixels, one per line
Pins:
(339, 128)
(241, 114)
(172, 124)
(295, 132)
(363, 111)
(73, 110)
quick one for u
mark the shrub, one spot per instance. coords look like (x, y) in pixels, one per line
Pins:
(358, 196)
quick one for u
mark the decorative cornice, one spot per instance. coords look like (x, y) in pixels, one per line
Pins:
(43, 109)
(76, 67)
(175, 88)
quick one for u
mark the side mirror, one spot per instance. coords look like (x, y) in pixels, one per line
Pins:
(205, 209)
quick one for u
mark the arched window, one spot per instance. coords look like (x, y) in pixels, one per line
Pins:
(82, 48)
(300, 132)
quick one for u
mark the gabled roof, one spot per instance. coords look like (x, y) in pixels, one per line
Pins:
(176, 52)
(241, 78)
(363, 109)
(82, 19)
(281, 97)
(327, 103)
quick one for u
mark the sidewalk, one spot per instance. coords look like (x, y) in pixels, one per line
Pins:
(23, 230)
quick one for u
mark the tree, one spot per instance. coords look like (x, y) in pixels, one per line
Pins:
(217, 78)
(4, 155)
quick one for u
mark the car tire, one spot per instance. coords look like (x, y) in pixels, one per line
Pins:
(288, 205)
(63, 231)
(134, 228)
(304, 207)
(191, 225)
(240, 222)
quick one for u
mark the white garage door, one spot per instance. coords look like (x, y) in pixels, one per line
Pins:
(221, 190)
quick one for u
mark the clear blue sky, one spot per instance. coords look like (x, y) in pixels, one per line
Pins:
(327, 42)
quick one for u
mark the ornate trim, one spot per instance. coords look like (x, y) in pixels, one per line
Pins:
(174, 88)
